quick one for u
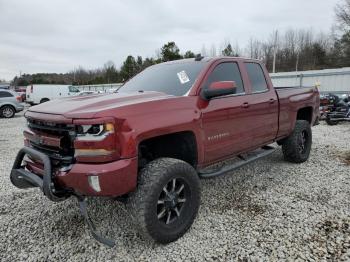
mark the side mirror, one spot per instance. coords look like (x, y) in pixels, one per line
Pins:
(220, 88)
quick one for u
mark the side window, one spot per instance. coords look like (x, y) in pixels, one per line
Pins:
(226, 72)
(257, 77)
(5, 94)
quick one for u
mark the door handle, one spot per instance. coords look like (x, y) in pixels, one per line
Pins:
(271, 101)
(245, 105)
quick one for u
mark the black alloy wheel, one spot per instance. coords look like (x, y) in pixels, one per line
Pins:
(172, 200)
(166, 200)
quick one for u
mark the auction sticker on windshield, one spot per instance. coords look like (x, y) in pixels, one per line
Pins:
(183, 77)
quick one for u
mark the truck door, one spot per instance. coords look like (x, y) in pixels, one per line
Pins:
(224, 120)
(262, 105)
(63, 91)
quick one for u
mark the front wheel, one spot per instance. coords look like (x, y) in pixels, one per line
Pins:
(167, 199)
(7, 111)
(296, 148)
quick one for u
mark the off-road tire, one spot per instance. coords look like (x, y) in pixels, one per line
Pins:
(7, 111)
(292, 149)
(144, 202)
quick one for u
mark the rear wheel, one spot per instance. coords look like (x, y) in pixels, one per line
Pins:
(167, 199)
(44, 100)
(7, 111)
(296, 148)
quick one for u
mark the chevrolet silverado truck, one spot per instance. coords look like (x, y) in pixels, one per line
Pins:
(163, 130)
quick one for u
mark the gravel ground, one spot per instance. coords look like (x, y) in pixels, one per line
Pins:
(268, 210)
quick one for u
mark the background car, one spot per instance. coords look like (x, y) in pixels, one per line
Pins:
(37, 94)
(10, 103)
(22, 92)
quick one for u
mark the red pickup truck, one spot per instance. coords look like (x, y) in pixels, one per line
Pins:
(162, 131)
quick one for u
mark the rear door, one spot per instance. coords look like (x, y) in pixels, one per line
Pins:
(42, 92)
(6, 98)
(28, 94)
(262, 105)
(58, 91)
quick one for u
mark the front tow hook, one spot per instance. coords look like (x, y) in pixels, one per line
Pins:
(83, 210)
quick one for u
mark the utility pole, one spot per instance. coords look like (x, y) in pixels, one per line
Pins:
(274, 52)
(297, 62)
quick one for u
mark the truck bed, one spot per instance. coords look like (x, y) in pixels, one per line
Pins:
(290, 100)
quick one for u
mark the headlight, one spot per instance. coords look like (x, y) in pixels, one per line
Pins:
(90, 129)
(94, 130)
(95, 140)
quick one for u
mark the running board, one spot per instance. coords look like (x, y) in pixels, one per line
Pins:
(241, 161)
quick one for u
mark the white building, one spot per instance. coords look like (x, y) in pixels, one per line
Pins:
(328, 80)
(103, 88)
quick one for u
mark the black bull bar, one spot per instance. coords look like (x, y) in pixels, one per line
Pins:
(23, 179)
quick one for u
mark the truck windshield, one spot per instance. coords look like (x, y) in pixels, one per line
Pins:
(173, 79)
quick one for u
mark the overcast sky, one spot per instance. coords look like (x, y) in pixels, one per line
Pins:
(59, 35)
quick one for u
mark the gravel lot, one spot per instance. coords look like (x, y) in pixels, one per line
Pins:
(269, 210)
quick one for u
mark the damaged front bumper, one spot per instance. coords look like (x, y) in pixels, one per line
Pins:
(22, 178)
(60, 186)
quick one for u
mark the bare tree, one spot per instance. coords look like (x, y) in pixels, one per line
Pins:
(275, 47)
(158, 54)
(342, 12)
(254, 49)
(212, 50)
(237, 49)
(204, 51)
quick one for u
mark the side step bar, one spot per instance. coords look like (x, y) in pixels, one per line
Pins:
(243, 160)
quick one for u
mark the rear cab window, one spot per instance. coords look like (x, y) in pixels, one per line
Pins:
(226, 71)
(257, 77)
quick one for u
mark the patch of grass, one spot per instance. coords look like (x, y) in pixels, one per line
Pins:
(346, 157)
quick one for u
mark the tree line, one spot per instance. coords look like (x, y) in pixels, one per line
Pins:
(292, 50)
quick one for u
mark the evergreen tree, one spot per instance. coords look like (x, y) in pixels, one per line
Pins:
(148, 62)
(139, 63)
(170, 52)
(189, 54)
(228, 51)
(129, 68)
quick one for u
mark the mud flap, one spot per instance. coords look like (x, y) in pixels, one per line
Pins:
(94, 233)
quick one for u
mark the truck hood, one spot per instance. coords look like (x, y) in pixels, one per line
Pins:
(89, 106)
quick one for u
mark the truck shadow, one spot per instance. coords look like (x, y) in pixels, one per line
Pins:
(113, 220)
(109, 216)
(239, 191)
(241, 194)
